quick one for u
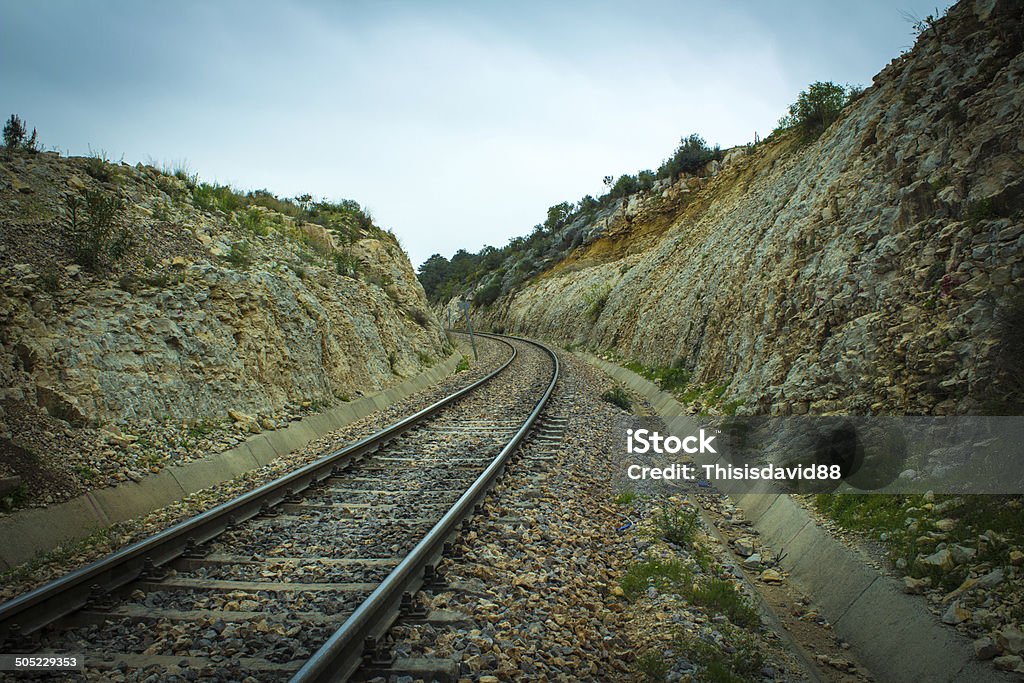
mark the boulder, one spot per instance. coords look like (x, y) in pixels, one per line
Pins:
(744, 546)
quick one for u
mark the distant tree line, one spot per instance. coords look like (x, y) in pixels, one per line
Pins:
(494, 271)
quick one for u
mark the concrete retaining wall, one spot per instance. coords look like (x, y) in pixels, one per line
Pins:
(892, 633)
(30, 532)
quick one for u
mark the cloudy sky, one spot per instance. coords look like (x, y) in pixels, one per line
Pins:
(456, 123)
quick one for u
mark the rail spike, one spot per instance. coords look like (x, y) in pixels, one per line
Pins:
(433, 579)
(377, 653)
(412, 608)
(193, 550)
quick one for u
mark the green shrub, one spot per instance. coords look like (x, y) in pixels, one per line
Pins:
(94, 232)
(625, 498)
(98, 166)
(346, 264)
(723, 597)
(240, 255)
(981, 210)
(207, 197)
(617, 396)
(743, 664)
(691, 156)
(661, 574)
(815, 109)
(652, 666)
(463, 365)
(672, 378)
(16, 136)
(252, 220)
(488, 295)
(596, 299)
(678, 525)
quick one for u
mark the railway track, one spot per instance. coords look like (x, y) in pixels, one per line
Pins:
(301, 578)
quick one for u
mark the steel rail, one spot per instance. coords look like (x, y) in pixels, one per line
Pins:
(341, 656)
(46, 604)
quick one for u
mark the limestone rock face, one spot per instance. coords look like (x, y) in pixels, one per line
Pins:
(203, 316)
(867, 271)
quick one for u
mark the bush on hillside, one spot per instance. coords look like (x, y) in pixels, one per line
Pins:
(488, 295)
(816, 108)
(691, 156)
(95, 235)
(16, 136)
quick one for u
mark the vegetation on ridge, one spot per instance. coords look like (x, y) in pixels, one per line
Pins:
(96, 220)
(494, 272)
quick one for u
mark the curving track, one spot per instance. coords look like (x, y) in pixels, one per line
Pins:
(300, 577)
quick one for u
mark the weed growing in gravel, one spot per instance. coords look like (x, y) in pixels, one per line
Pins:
(252, 220)
(463, 365)
(653, 666)
(625, 498)
(663, 574)
(86, 473)
(702, 557)
(617, 396)
(867, 512)
(202, 427)
(346, 263)
(719, 666)
(724, 598)
(678, 525)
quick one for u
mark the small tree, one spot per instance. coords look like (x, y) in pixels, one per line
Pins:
(95, 234)
(815, 109)
(692, 155)
(487, 295)
(16, 135)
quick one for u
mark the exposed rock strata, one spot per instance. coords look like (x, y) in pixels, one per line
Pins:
(876, 269)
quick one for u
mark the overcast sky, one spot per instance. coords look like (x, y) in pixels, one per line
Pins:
(456, 123)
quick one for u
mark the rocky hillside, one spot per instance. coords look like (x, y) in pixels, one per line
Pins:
(875, 269)
(131, 296)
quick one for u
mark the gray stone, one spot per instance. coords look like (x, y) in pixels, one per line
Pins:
(984, 648)
(961, 554)
(1009, 663)
(942, 559)
(752, 562)
(1010, 639)
(744, 546)
(955, 614)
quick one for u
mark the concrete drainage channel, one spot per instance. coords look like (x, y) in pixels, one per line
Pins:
(37, 530)
(891, 632)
